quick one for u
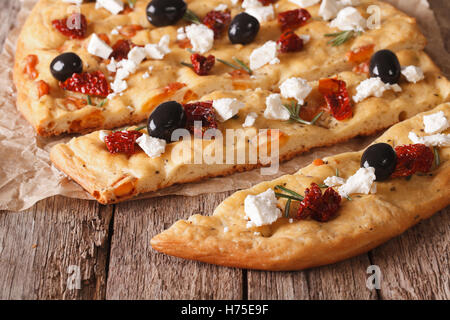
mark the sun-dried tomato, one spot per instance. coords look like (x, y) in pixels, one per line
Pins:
(361, 54)
(217, 21)
(122, 141)
(94, 84)
(130, 30)
(267, 2)
(336, 95)
(200, 111)
(202, 65)
(412, 158)
(74, 26)
(318, 206)
(43, 88)
(121, 49)
(31, 62)
(293, 19)
(289, 42)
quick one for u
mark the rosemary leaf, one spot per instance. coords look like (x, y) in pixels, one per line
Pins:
(295, 194)
(316, 117)
(337, 172)
(294, 111)
(102, 103)
(322, 185)
(437, 159)
(187, 64)
(287, 209)
(340, 37)
(282, 195)
(140, 128)
(89, 100)
(229, 64)
(243, 65)
(191, 17)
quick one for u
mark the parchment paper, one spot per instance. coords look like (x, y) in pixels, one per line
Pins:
(27, 175)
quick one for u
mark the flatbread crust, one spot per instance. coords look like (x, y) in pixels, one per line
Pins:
(112, 178)
(53, 115)
(362, 224)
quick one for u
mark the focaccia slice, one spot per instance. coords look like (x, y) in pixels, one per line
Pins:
(62, 111)
(362, 223)
(116, 177)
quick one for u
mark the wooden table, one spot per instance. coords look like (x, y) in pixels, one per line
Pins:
(42, 247)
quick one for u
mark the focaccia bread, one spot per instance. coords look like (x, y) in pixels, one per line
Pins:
(363, 221)
(52, 110)
(116, 177)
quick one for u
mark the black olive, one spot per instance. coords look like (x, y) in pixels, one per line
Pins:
(385, 65)
(382, 157)
(165, 119)
(161, 13)
(243, 29)
(65, 65)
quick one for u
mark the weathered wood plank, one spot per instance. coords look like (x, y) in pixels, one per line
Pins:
(8, 13)
(139, 272)
(42, 247)
(441, 8)
(416, 264)
(344, 280)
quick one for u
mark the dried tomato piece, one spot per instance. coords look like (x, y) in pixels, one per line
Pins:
(336, 95)
(412, 158)
(200, 111)
(122, 142)
(361, 54)
(217, 21)
(202, 65)
(130, 30)
(31, 62)
(293, 19)
(74, 26)
(43, 88)
(121, 49)
(94, 84)
(289, 42)
(267, 2)
(317, 206)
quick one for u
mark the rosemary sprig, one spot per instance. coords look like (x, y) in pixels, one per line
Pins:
(337, 172)
(295, 194)
(287, 209)
(89, 100)
(231, 65)
(437, 159)
(191, 17)
(322, 185)
(341, 37)
(187, 64)
(282, 195)
(243, 65)
(131, 3)
(102, 103)
(294, 111)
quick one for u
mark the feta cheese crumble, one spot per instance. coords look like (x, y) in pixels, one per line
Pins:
(181, 34)
(153, 147)
(360, 182)
(305, 3)
(329, 9)
(436, 122)
(349, 19)
(250, 119)
(260, 12)
(261, 209)
(264, 55)
(373, 87)
(435, 140)
(201, 37)
(275, 109)
(137, 55)
(98, 47)
(413, 73)
(158, 51)
(102, 135)
(73, 1)
(221, 7)
(113, 6)
(334, 181)
(226, 108)
(296, 88)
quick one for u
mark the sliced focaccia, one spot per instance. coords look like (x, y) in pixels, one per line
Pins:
(254, 229)
(53, 106)
(112, 177)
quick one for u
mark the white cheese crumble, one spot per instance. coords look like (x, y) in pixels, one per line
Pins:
(102, 135)
(349, 19)
(201, 37)
(305, 37)
(137, 55)
(264, 55)
(334, 181)
(98, 47)
(261, 209)
(305, 3)
(260, 12)
(329, 9)
(413, 73)
(296, 88)
(221, 7)
(226, 229)
(435, 140)
(373, 87)
(113, 6)
(112, 66)
(436, 122)
(146, 75)
(275, 109)
(181, 34)
(226, 108)
(360, 182)
(73, 1)
(153, 147)
(158, 51)
(250, 119)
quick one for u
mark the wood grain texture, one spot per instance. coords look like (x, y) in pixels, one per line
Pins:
(136, 271)
(39, 246)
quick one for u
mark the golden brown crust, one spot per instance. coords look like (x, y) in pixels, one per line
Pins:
(49, 116)
(362, 224)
